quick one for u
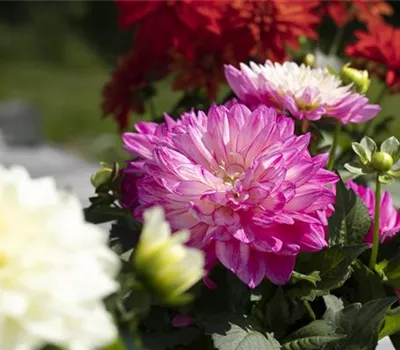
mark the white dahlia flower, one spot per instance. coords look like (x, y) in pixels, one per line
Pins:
(55, 269)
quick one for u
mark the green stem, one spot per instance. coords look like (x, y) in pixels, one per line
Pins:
(152, 108)
(331, 161)
(375, 242)
(309, 310)
(337, 40)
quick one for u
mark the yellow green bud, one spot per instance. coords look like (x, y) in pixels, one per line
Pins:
(381, 161)
(309, 60)
(359, 78)
(102, 176)
(166, 266)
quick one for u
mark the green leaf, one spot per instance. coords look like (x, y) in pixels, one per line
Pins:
(171, 338)
(391, 323)
(368, 285)
(344, 318)
(354, 168)
(369, 146)
(394, 172)
(333, 306)
(364, 331)
(361, 152)
(392, 147)
(351, 221)
(313, 277)
(233, 332)
(385, 179)
(100, 214)
(392, 271)
(117, 345)
(334, 264)
(277, 313)
(312, 336)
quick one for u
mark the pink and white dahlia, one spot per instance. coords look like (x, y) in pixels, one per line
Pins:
(304, 92)
(242, 182)
(389, 221)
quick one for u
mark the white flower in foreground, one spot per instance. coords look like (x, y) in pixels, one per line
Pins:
(55, 269)
(166, 265)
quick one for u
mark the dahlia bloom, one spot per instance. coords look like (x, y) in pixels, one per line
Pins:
(161, 25)
(367, 11)
(242, 182)
(274, 24)
(304, 92)
(55, 269)
(380, 46)
(202, 65)
(389, 222)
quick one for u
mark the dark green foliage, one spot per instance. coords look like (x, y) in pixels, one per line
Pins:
(351, 221)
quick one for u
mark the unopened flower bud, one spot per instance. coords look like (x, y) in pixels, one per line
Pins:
(359, 78)
(381, 161)
(165, 265)
(102, 176)
(309, 60)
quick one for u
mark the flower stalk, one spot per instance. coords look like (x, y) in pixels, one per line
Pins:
(337, 40)
(375, 242)
(331, 160)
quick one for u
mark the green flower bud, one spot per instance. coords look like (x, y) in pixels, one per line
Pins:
(358, 78)
(165, 265)
(102, 176)
(309, 60)
(381, 161)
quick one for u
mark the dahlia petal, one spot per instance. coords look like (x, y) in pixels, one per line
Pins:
(195, 149)
(303, 200)
(190, 188)
(233, 255)
(240, 113)
(314, 240)
(279, 268)
(225, 217)
(139, 145)
(146, 127)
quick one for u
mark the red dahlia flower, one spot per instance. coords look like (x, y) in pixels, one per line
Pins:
(125, 92)
(166, 24)
(380, 45)
(368, 11)
(202, 65)
(275, 24)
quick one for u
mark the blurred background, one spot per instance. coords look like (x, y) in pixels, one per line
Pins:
(55, 57)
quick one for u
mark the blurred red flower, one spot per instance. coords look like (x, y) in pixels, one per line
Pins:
(129, 86)
(367, 11)
(380, 45)
(202, 65)
(275, 24)
(163, 25)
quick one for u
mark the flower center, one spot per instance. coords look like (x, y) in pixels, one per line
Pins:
(230, 173)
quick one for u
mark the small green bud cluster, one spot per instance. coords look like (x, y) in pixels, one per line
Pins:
(105, 175)
(371, 160)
